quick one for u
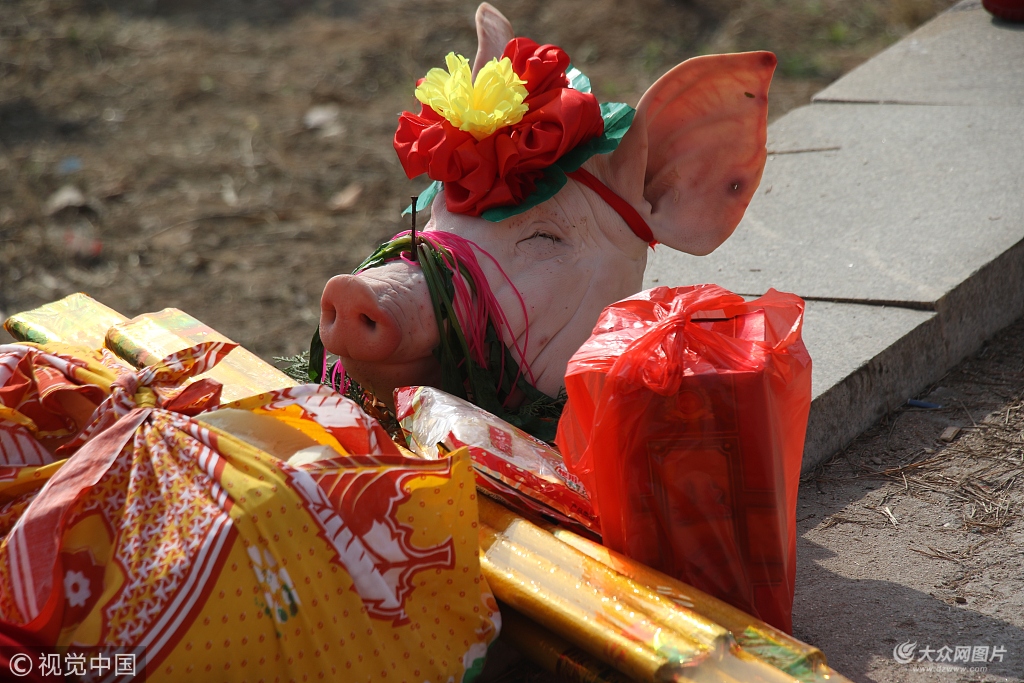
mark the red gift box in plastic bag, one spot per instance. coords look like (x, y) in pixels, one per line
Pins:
(686, 420)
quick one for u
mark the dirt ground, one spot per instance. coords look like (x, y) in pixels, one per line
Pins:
(228, 157)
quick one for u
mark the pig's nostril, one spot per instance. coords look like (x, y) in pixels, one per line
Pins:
(368, 321)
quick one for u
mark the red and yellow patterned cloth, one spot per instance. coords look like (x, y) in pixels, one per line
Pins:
(154, 530)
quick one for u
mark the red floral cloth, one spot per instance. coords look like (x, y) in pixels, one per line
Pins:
(503, 168)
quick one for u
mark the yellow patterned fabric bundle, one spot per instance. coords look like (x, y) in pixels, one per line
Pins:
(130, 520)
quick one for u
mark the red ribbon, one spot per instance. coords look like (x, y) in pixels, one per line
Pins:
(633, 219)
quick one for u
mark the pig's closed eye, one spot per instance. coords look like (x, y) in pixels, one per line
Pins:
(542, 235)
(540, 246)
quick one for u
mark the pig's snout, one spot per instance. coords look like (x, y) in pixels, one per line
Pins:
(381, 324)
(353, 324)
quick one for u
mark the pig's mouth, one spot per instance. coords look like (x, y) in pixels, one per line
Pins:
(381, 380)
(470, 360)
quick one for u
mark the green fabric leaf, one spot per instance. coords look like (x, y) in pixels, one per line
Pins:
(617, 119)
(316, 357)
(577, 81)
(547, 187)
(426, 197)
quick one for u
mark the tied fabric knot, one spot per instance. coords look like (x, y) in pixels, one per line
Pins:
(157, 386)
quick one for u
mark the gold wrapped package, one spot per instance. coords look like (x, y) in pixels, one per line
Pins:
(580, 609)
(147, 338)
(76, 319)
(142, 341)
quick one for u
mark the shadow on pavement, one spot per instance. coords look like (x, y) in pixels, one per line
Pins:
(858, 621)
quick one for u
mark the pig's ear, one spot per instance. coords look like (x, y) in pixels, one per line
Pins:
(492, 35)
(694, 155)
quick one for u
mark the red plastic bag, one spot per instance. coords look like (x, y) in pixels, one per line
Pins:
(686, 420)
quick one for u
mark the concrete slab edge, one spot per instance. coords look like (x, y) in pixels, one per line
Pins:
(852, 405)
(986, 302)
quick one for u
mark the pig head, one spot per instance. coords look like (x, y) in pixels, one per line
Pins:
(688, 165)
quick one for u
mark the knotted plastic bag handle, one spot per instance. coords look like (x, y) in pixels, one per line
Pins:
(673, 346)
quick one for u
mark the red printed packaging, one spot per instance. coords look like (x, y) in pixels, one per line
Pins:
(523, 472)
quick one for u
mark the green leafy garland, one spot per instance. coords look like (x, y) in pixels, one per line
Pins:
(490, 387)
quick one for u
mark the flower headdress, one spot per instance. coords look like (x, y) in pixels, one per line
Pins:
(506, 142)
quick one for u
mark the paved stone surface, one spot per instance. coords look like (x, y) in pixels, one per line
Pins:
(842, 338)
(905, 205)
(866, 360)
(964, 56)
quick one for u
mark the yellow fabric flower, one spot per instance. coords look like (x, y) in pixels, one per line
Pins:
(494, 101)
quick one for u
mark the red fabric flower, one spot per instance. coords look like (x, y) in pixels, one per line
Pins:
(503, 168)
